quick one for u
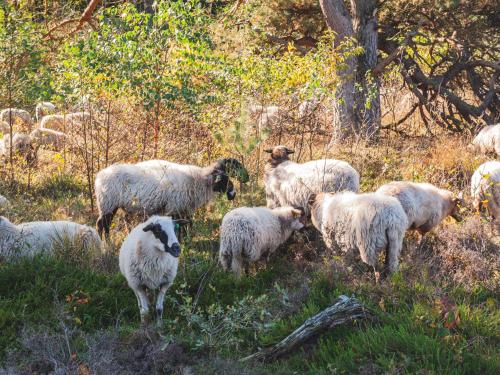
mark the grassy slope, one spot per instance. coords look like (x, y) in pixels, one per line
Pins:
(211, 316)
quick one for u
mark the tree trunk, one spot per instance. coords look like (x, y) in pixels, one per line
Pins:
(365, 26)
(345, 121)
(356, 112)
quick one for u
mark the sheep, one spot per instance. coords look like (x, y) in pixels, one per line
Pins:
(48, 138)
(149, 257)
(157, 186)
(485, 188)
(29, 239)
(249, 233)
(22, 145)
(24, 116)
(425, 204)
(368, 223)
(488, 139)
(42, 109)
(62, 122)
(289, 184)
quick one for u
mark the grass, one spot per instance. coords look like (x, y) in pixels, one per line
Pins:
(428, 320)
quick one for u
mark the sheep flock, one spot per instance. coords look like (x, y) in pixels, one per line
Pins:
(323, 194)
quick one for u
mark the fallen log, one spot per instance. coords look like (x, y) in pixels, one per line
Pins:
(345, 309)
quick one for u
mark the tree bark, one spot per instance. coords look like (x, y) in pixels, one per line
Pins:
(356, 112)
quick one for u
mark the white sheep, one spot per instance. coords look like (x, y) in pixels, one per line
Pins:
(65, 122)
(149, 257)
(249, 233)
(48, 138)
(42, 109)
(488, 139)
(157, 186)
(29, 239)
(485, 188)
(290, 184)
(368, 223)
(425, 204)
(22, 145)
(17, 114)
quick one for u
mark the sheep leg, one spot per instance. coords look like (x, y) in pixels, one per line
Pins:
(104, 224)
(143, 302)
(159, 302)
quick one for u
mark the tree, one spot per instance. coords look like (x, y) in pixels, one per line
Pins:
(357, 107)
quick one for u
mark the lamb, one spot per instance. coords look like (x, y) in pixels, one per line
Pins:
(15, 113)
(42, 109)
(157, 186)
(21, 144)
(48, 138)
(368, 223)
(485, 189)
(249, 233)
(290, 184)
(488, 139)
(425, 204)
(29, 239)
(149, 257)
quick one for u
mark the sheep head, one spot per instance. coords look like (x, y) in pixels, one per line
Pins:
(233, 168)
(164, 231)
(222, 184)
(279, 154)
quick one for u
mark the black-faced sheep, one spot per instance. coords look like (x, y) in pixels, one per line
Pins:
(290, 184)
(162, 187)
(485, 188)
(368, 223)
(425, 204)
(249, 233)
(29, 239)
(149, 257)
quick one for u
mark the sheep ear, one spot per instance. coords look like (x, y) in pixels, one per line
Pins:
(297, 212)
(182, 222)
(311, 199)
(288, 151)
(269, 150)
(149, 227)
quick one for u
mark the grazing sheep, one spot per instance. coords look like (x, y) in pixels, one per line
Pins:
(266, 117)
(22, 145)
(17, 114)
(290, 184)
(425, 205)
(149, 257)
(61, 123)
(29, 239)
(48, 138)
(3, 201)
(488, 139)
(368, 223)
(249, 233)
(42, 109)
(157, 186)
(485, 188)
